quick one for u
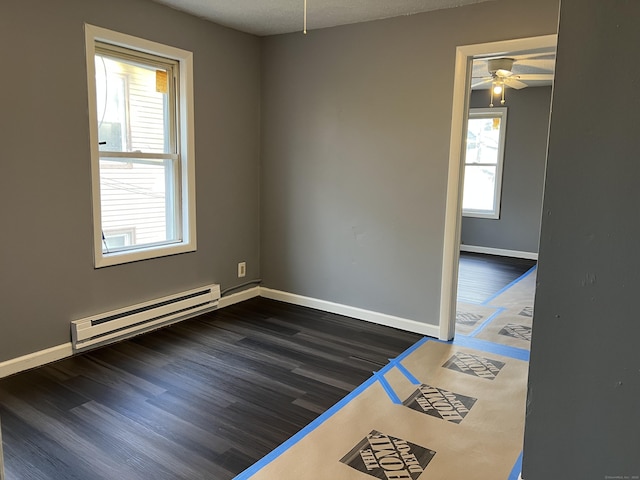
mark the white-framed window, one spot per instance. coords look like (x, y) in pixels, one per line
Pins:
(142, 147)
(483, 161)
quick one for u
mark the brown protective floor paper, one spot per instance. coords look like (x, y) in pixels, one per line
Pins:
(470, 316)
(484, 445)
(513, 325)
(464, 420)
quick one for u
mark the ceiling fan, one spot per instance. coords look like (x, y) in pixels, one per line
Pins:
(500, 70)
(501, 75)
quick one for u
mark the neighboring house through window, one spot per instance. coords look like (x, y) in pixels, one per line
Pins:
(141, 125)
(483, 162)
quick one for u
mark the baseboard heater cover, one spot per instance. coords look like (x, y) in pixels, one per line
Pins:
(125, 322)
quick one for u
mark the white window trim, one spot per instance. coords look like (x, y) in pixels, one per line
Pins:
(187, 146)
(497, 194)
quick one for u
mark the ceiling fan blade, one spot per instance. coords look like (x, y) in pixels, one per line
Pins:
(514, 83)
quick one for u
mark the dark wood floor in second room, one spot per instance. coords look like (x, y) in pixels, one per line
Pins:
(481, 276)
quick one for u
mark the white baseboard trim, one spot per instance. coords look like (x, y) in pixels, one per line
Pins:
(354, 312)
(35, 359)
(239, 297)
(499, 251)
(42, 357)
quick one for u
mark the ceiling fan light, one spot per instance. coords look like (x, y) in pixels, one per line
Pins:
(497, 88)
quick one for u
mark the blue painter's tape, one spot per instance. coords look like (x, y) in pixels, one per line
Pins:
(490, 347)
(517, 469)
(486, 323)
(410, 350)
(502, 290)
(270, 457)
(387, 388)
(407, 373)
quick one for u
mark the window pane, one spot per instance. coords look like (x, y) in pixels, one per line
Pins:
(137, 197)
(115, 241)
(483, 140)
(479, 187)
(132, 106)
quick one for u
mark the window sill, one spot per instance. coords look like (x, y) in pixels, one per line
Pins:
(488, 216)
(119, 258)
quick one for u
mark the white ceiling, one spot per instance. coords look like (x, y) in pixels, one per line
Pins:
(271, 17)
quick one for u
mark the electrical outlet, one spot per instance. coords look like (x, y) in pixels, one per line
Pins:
(242, 269)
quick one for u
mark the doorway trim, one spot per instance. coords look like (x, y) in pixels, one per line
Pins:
(453, 208)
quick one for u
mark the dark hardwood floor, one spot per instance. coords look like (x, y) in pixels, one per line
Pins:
(206, 398)
(203, 399)
(481, 276)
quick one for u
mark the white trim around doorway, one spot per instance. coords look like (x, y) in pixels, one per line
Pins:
(453, 209)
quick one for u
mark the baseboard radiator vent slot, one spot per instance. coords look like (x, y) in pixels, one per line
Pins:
(126, 322)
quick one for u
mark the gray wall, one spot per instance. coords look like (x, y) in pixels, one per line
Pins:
(356, 129)
(518, 227)
(47, 277)
(583, 418)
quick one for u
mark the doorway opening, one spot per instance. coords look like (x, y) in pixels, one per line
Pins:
(463, 100)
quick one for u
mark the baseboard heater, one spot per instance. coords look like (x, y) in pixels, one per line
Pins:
(126, 322)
